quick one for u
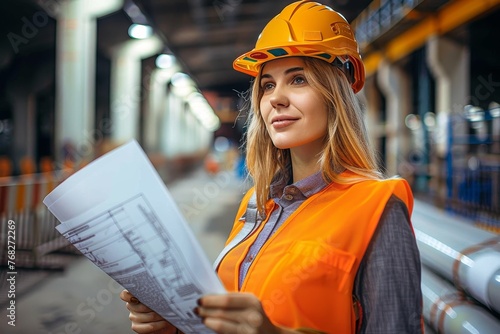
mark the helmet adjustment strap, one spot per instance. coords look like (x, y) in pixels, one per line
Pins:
(346, 67)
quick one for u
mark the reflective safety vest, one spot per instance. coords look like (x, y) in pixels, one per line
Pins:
(304, 274)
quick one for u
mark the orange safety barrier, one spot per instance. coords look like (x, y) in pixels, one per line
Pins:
(21, 201)
(47, 168)
(5, 172)
(28, 169)
(5, 166)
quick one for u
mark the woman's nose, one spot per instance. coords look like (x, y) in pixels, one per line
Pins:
(279, 98)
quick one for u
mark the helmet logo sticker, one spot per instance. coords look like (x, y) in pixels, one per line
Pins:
(313, 36)
(291, 50)
(278, 52)
(250, 59)
(258, 55)
(325, 55)
(340, 28)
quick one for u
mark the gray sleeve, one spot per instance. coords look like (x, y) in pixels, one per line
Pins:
(388, 280)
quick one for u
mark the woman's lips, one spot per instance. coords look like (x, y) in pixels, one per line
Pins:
(283, 122)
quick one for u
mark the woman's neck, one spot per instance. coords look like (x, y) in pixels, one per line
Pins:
(304, 165)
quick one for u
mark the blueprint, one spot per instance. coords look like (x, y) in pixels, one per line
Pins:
(119, 214)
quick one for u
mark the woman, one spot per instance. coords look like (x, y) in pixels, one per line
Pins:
(333, 250)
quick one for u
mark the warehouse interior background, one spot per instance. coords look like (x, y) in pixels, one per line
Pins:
(81, 77)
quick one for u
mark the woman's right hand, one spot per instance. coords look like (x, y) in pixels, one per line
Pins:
(144, 320)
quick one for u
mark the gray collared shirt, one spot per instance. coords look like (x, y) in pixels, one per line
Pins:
(388, 280)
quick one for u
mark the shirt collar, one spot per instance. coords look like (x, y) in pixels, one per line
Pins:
(307, 186)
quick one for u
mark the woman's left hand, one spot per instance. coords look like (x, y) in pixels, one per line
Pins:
(235, 313)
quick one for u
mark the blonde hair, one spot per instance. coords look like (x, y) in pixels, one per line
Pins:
(346, 146)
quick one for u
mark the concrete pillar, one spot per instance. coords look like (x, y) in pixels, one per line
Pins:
(370, 96)
(449, 64)
(23, 123)
(191, 129)
(126, 86)
(75, 72)
(204, 137)
(171, 134)
(156, 107)
(196, 134)
(396, 87)
(183, 134)
(197, 138)
(22, 95)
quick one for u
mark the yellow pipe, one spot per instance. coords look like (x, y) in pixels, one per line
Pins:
(411, 39)
(371, 62)
(460, 12)
(451, 16)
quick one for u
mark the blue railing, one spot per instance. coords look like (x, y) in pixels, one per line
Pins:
(373, 22)
(473, 166)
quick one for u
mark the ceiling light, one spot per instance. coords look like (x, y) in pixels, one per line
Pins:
(140, 31)
(165, 61)
(180, 79)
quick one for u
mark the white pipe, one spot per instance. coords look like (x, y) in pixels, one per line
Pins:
(448, 312)
(460, 252)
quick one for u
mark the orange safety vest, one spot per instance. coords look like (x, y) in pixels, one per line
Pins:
(304, 274)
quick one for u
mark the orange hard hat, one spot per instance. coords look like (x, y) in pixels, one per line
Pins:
(307, 28)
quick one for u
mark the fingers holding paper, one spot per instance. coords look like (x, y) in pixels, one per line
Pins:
(235, 313)
(230, 313)
(144, 320)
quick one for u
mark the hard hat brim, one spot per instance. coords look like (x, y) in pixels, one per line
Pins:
(251, 62)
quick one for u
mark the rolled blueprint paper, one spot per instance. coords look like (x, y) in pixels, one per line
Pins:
(118, 212)
(460, 252)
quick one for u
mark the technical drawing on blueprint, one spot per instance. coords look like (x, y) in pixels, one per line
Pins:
(138, 237)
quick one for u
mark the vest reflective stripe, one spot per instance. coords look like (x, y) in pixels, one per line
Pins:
(304, 274)
(250, 225)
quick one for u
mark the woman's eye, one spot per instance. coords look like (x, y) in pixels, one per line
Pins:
(267, 85)
(299, 80)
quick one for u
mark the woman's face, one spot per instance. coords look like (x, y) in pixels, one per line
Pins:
(294, 113)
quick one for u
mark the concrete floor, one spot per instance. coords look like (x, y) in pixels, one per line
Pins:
(83, 299)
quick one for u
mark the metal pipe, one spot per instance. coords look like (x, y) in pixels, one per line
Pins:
(448, 311)
(460, 252)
